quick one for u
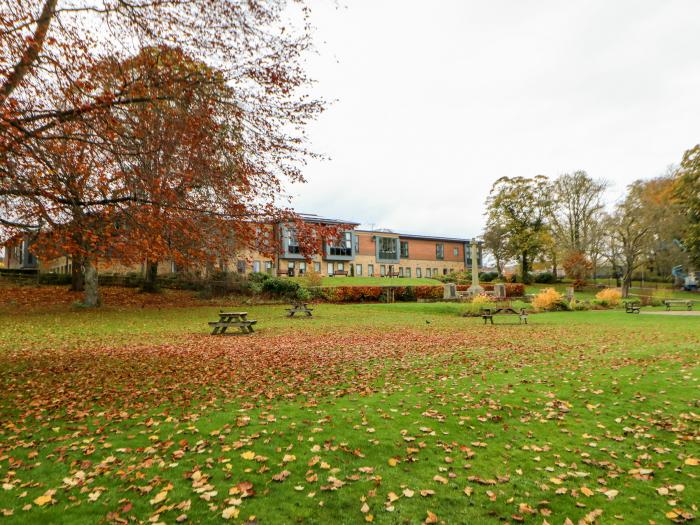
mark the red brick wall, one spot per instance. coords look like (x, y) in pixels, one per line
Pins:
(367, 245)
(425, 250)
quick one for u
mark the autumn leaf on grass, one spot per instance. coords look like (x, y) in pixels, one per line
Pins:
(288, 458)
(248, 454)
(281, 476)
(693, 462)
(408, 493)
(431, 518)
(159, 497)
(47, 497)
(230, 512)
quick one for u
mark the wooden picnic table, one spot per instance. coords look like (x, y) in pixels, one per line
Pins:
(300, 307)
(488, 313)
(232, 319)
(688, 303)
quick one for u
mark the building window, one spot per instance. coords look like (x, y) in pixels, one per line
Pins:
(358, 270)
(400, 271)
(302, 268)
(439, 251)
(293, 244)
(342, 246)
(382, 270)
(387, 248)
(427, 272)
(444, 271)
(340, 267)
(268, 266)
(317, 267)
(370, 270)
(404, 249)
(256, 266)
(240, 265)
(455, 251)
(408, 272)
(330, 268)
(418, 273)
(435, 272)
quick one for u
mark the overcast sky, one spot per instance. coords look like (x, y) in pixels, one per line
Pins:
(436, 100)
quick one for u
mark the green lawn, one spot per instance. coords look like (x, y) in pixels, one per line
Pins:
(385, 413)
(376, 281)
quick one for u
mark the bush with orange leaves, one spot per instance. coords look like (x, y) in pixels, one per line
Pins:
(549, 300)
(609, 297)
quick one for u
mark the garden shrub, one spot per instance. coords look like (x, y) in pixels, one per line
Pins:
(609, 297)
(313, 279)
(545, 278)
(482, 298)
(487, 277)
(549, 300)
(280, 287)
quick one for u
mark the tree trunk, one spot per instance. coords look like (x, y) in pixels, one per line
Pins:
(92, 293)
(149, 284)
(77, 280)
(554, 264)
(626, 284)
(525, 269)
(499, 267)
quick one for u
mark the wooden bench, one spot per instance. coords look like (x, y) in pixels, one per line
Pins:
(393, 274)
(232, 319)
(282, 273)
(632, 307)
(688, 303)
(340, 272)
(300, 308)
(488, 313)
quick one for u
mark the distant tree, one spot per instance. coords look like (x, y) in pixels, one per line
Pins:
(494, 243)
(687, 193)
(521, 205)
(577, 202)
(632, 232)
(577, 267)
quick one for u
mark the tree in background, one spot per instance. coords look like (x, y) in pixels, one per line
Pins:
(494, 242)
(687, 192)
(521, 206)
(632, 232)
(576, 212)
(577, 267)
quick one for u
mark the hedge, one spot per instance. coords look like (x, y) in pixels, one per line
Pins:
(359, 294)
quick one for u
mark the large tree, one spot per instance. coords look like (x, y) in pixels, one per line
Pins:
(687, 193)
(67, 81)
(521, 206)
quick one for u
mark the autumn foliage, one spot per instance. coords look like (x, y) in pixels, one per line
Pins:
(548, 299)
(609, 296)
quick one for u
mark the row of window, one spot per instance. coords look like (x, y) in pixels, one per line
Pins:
(332, 268)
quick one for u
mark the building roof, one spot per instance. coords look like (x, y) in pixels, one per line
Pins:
(312, 217)
(419, 237)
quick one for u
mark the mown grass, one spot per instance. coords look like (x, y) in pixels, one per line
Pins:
(548, 421)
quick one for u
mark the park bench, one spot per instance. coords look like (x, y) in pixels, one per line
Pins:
(632, 307)
(339, 272)
(670, 303)
(300, 307)
(488, 313)
(283, 273)
(232, 319)
(393, 274)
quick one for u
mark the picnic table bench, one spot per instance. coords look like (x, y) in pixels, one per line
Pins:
(688, 303)
(232, 319)
(344, 273)
(300, 307)
(393, 274)
(632, 307)
(488, 313)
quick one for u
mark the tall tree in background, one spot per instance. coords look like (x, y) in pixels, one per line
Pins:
(687, 193)
(578, 204)
(494, 242)
(521, 206)
(631, 232)
(54, 57)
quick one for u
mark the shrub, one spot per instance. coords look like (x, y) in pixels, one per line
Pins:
(487, 277)
(577, 268)
(313, 279)
(549, 299)
(545, 278)
(609, 297)
(280, 287)
(428, 292)
(482, 298)
(578, 306)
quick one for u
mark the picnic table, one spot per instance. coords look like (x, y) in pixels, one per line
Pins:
(688, 303)
(632, 307)
(300, 307)
(487, 313)
(232, 319)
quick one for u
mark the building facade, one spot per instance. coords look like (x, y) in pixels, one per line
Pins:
(356, 252)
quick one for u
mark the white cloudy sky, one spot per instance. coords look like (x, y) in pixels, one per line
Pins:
(435, 100)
